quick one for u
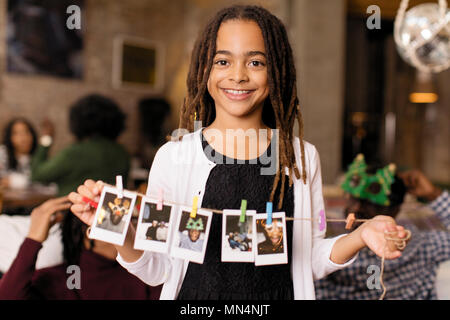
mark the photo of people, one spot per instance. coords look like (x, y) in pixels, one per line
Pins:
(154, 226)
(113, 216)
(191, 235)
(112, 213)
(271, 238)
(237, 238)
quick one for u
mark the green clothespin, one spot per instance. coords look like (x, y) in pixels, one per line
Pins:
(243, 209)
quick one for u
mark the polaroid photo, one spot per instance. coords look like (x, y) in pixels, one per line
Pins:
(154, 226)
(238, 239)
(113, 216)
(271, 239)
(190, 235)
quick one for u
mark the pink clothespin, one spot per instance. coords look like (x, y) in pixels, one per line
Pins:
(322, 220)
(119, 186)
(159, 205)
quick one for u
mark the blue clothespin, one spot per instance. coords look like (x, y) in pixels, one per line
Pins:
(243, 210)
(269, 208)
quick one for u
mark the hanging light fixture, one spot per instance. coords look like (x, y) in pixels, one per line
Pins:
(422, 35)
(423, 89)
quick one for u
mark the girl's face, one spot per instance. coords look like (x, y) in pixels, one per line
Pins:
(21, 138)
(238, 79)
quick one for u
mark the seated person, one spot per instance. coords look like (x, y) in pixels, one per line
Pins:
(101, 277)
(413, 275)
(19, 144)
(151, 231)
(96, 121)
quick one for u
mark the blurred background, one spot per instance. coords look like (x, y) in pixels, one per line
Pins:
(354, 87)
(350, 77)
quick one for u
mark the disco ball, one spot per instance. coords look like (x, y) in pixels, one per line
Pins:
(423, 37)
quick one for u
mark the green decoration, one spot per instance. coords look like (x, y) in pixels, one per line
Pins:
(375, 188)
(195, 224)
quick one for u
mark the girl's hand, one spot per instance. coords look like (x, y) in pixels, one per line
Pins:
(45, 216)
(82, 210)
(373, 234)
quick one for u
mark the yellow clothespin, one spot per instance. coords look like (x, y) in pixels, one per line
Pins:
(194, 207)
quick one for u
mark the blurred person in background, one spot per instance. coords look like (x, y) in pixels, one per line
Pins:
(101, 276)
(19, 144)
(413, 275)
(96, 121)
(154, 113)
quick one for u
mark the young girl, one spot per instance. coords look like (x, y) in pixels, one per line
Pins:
(242, 76)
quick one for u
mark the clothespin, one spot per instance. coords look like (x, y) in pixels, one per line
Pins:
(322, 220)
(349, 221)
(269, 208)
(92, 203)
(119, 186)
(194, 207)
(243, 209)
(159, 205)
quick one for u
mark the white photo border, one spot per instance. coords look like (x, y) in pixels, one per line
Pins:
(186, 254)
(153, 245)
(226, 255)
(107, 235)
(276, 258)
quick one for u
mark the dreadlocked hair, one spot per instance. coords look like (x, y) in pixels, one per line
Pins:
(280, 109)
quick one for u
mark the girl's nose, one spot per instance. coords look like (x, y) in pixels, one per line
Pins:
(239, 73)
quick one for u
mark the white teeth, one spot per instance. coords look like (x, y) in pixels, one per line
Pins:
(237, 91)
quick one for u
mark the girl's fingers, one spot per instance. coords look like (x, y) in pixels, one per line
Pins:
(99, 187)
(78, 209)
(93, 187)
(85, 192)
(75, 198)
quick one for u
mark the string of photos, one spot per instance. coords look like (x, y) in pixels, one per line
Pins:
(182, 231)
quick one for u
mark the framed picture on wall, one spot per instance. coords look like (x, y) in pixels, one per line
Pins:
(45, 38)
(138, 64)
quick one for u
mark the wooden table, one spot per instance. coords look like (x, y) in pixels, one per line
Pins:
(26, 198)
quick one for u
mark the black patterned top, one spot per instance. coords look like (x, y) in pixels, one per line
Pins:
(227, 184)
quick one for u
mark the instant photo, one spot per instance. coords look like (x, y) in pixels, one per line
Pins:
(271, 239)
(113, 216)
(191, 235)
(238, 238)
(154, 227)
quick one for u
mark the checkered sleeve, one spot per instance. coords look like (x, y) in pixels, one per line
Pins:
(441, 206)
(438, 246)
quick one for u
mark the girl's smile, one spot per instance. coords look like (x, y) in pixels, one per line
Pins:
(236, 94)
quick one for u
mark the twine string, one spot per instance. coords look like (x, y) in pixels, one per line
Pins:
(400, 243)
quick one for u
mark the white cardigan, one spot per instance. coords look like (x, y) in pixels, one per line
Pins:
(181, 169)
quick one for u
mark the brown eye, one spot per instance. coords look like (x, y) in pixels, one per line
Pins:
(256, 63)
(221, 62)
